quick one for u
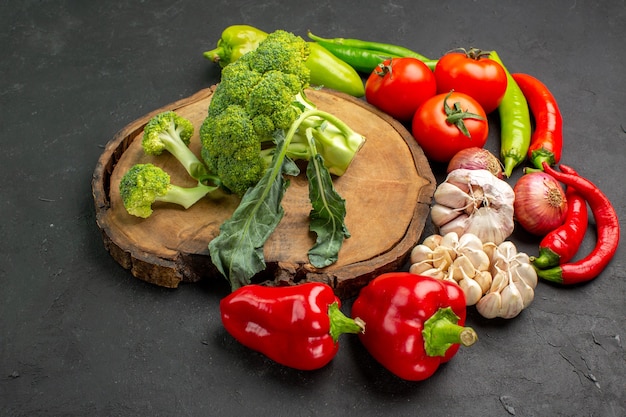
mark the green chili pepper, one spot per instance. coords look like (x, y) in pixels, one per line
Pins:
(362, 60)
(327, 70)
(363, 47)
(515, 125)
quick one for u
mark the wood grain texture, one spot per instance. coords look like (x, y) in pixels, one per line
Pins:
(388, 190)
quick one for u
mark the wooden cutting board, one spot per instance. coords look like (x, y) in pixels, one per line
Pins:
(388, 190)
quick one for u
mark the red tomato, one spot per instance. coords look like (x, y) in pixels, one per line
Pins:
(474, 74)
(435, 130)
(399, 85)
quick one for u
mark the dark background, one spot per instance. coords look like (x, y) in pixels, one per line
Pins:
(80, 336)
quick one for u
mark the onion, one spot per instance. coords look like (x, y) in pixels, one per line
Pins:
(540, 205)
(476, 158)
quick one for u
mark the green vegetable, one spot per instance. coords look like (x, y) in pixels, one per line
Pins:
(170, 132)
(259, 94)
(144, 184)
(515, 124)
(258, 122)
(364, 55)
(236, 40)
(325, 68)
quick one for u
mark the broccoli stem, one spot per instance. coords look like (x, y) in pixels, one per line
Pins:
(334, 140)
(185, 196)
(186, 157)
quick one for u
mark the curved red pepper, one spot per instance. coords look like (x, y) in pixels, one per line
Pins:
(297, 326)
(560, 245)
(546, 142)
(608, 233)
(414, 323)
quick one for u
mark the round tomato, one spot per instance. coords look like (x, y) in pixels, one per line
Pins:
(448, 123)
(474, 74)
(398, 86)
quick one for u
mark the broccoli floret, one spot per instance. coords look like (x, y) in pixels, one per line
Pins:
(170, 132)
(231, 148)
(259, 95)
(282, 51)
(144, 184)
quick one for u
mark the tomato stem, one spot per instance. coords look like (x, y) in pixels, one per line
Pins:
(456, 115)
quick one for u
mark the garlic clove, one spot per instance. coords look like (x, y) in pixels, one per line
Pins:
(512, 302)
(432, 241)
(472, 291)
(499, 281)
(458, 225)
(490, 225)
(470, 241)
(450, 240)
(450, 195)
(507, 250)
(522, 258)
(463, 267)
(434, 273)
(484, 279)
(490, 305)
(419, 268)
(526, 272)
(490, 248)
(441, 214)
(443, 257)
(421, 253)
(527, 293)
(478, 258)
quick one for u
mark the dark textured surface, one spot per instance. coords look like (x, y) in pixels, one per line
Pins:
(80, 336)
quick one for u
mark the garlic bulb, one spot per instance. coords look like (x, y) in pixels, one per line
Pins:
(458, 259)
(474, 202)
(513, 282)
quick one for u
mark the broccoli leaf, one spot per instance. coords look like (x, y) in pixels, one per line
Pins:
(237, 251)
(327, 214)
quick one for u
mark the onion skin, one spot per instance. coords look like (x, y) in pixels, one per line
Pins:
(476, 158)
(540, 204)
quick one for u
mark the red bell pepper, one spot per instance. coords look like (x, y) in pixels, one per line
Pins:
(297, 326)
(414, 323)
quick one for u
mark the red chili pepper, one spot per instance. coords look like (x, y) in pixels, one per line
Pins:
(297, 326)
(560, 245)
(546, 142)
(414, 323)
(608, 232)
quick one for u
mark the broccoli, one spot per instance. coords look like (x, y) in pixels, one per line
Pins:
(170, 132)
(144, 184)
(259, 95)
(259, 121)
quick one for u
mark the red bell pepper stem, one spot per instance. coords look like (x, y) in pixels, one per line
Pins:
(608, 233)
(560, 245)
(441, 331)
(341, 324)
(546, 142)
